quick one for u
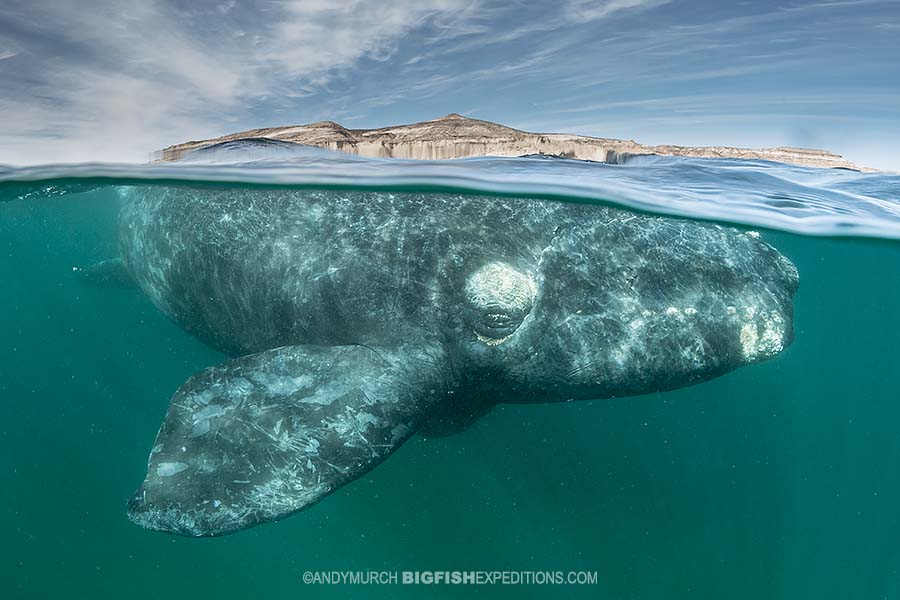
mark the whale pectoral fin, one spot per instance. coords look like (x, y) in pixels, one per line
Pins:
(265, 435)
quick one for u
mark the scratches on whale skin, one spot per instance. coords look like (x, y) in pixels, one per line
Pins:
(576, 370)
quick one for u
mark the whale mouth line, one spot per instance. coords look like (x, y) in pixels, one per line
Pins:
(490, 340)
(500, 320)
(497, 325)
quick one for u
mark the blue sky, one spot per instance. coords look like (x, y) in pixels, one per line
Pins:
(116, 79)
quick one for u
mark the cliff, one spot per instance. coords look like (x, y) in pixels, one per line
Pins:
(455, 136)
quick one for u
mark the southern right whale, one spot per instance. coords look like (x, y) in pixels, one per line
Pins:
(355, 319)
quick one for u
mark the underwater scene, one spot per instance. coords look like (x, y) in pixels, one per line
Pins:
(679, 376)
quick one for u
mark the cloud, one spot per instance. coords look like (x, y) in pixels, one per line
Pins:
(319, 36)
(116, 79)
(8, 48)
(591, 10)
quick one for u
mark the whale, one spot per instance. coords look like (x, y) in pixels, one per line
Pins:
(352, 320)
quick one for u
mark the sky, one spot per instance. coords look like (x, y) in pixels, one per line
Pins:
(114, 80)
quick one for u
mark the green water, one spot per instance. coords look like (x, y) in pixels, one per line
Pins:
(779, 480)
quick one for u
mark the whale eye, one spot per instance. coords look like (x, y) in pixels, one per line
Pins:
(500, 297)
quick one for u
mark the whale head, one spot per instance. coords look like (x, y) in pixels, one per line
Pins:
(624, 307)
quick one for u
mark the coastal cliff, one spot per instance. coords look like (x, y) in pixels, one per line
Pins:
(455, 136)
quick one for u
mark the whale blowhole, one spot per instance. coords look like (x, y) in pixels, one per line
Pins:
(500, 296)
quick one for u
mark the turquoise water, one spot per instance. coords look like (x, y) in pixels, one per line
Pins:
(778, 480)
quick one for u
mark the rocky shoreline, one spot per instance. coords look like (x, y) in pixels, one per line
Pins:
(455, 136)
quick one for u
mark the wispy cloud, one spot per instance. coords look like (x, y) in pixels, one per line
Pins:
(591, 10)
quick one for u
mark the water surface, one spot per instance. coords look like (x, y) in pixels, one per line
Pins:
(778, 480)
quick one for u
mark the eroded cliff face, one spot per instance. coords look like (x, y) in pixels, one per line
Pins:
(455, 136)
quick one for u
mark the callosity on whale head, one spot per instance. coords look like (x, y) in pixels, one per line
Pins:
(356, 319)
